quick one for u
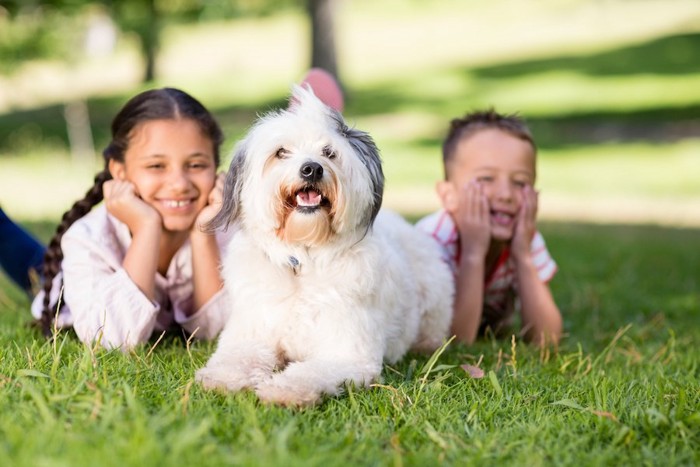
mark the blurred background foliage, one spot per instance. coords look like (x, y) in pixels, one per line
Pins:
(611, 88)
(36, 29)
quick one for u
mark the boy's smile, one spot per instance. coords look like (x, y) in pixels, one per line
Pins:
(503, 165)
(502, 225)
(501, 217)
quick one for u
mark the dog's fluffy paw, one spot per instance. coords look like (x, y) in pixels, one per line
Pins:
(217, 378)
(298, 397)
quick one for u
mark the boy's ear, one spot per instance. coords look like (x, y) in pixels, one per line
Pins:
(448, 195)
(117, 170)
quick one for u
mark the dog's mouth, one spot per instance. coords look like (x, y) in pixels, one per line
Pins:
(309, 199)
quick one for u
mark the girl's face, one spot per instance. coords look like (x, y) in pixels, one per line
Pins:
(503, 165)
(171, 164)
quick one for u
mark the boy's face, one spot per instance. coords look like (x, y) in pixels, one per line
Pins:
(502, 164)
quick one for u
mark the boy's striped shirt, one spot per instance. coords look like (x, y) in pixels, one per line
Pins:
(502, 281)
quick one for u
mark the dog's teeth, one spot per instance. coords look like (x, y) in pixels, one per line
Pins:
(308, 198)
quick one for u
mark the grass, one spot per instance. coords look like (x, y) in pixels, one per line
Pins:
(623, 388)
(613, 105)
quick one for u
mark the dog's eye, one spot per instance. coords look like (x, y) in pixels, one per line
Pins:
(281, 153)
(328, 152)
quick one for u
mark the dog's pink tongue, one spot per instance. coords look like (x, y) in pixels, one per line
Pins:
(308, 198)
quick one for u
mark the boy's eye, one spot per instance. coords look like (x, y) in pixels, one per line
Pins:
(484, 178)
(520, 183)
(155, 166)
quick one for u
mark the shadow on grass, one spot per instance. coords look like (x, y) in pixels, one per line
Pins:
(46, 126)
(677, 54)
(659, 125)
(671, 55)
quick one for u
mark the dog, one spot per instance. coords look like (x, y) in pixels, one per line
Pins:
(324, 285)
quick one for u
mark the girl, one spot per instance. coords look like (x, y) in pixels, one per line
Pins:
(141, 263)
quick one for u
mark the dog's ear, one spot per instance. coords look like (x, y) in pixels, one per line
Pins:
(366, 149)
(233, 186)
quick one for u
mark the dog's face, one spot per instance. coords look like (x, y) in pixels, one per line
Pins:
(303, 175)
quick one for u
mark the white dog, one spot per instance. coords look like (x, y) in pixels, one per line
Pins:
(322, 292)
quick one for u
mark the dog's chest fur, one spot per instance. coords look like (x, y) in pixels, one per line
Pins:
(301, 282)
(303, 300)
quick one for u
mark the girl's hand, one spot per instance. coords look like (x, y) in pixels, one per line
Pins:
(473, 221)
(123, 202)
(526, 224)
(216, 197)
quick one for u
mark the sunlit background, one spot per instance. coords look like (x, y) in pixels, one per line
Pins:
(611, 89)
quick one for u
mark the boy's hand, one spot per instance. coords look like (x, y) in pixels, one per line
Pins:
(526, 224)
(473, 221)
(122, 201)
(216, 198)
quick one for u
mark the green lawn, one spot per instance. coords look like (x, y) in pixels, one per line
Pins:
(612, 93)
(622, 390)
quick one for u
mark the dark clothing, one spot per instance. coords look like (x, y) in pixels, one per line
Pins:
(20, 252)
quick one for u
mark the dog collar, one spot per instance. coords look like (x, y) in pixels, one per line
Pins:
(294, 264)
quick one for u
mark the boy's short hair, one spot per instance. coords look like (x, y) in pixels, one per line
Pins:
(472, 122)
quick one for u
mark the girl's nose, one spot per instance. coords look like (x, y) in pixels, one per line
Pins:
(179, 179)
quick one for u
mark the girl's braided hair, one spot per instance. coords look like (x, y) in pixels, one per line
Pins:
(156, 104)
(466, 126)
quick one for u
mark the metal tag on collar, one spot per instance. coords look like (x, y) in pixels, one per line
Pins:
(294, 264)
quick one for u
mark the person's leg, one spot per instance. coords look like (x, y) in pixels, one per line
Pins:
(326, 88)
(20, 252)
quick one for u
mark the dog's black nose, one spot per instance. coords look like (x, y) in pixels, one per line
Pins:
(311, 172)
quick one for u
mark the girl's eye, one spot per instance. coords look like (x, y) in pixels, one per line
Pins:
(282, 153)
(484, 178)
(328, 152)
(155, 166)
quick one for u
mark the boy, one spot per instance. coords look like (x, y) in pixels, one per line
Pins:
(487, 229)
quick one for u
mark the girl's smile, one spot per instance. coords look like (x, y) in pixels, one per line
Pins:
(171, 164)
(177, 207)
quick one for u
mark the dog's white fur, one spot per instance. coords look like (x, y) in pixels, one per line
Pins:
(322, 293)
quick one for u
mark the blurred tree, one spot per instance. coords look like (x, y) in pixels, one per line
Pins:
(32, 29)
(28, 26)
(141, 17)
(323, 53)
